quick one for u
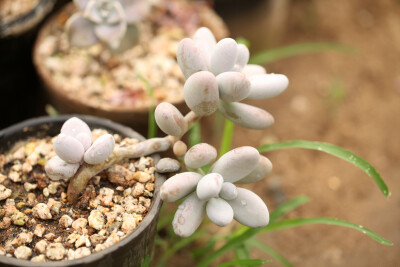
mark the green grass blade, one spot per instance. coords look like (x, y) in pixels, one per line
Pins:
(273, 253)
(335, 151)
(179, 245)
(152, 125)
(287, 207)
(243, 233)
(244, 262)
(195, 134)
(289, 223)
(146, 261)
(299, 49)
(227, 137)
(242, 252)
(51, 111)
(203, 250)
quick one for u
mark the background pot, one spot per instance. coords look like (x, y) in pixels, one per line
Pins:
(128, 115)
(131, 250)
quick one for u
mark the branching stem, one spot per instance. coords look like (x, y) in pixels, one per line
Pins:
(154, 145)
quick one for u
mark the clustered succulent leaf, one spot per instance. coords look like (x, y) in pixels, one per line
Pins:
(215, 193)
(218, 77)
(104, 20)
(73, 146)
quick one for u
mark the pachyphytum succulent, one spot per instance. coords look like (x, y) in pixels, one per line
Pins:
(215, 194)
(218, 77)
(74, 146)
(108, 21)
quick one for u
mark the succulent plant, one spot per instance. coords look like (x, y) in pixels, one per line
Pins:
(74, 146)
(214, 193)
(109, 21)
(218, 77)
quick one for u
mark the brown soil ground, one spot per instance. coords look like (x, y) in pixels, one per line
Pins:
(365, 121)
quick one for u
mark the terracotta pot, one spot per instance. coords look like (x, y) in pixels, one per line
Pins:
(131, 250)
(128, 115)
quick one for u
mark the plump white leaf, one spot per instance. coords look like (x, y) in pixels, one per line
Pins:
(201, 93)
(262, 169)
(267, 85)
(223, 57)
(81, 4)
(58, 169)
(80, 31)
(205, 42)
(228, 191)
(167, 165)
(253, 69)
(200, 155)
(179, 185)
(233, 86)
(188, 216)
(169, 119)
(111, 34)
(78, 129)
(242, 57)
(100, 150)
(135, 10)
(68, 148)
(189, 57)
(246, 115)
(219, 211)
(249, 209)
(237, 163)
(209, 186)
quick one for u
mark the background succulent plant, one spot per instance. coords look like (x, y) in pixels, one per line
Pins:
(109, 21)
(215, 194)
(74, 146)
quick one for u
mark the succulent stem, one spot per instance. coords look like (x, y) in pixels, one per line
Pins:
(86, 171)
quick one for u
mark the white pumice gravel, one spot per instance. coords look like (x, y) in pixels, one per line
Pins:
(53, 230)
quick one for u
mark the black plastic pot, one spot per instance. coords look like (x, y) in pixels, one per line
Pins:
(131, 250)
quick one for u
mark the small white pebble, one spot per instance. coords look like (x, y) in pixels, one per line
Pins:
(55, 251)
(46, 192)
(28, 186)
(65, 221)
(53, 187)
(79, 224)
(15, 177)
(41, 246)
(23, 252)
(81, 252)
(129, 223)
(105, 196)
(96, 219)
(40, 258)
(4, 192)
(39, 230)
(41, 211)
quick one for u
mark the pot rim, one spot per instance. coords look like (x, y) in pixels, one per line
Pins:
(27, 20)
(55, 88)
(154, 208)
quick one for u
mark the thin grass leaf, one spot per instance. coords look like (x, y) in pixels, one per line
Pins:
(289, 223)
(243, 233)
(287, 207)
(179, 245)
(51, 111)
(195, 134)
(203, 250)
(242, 40)
(227, 137)
(152, 125)
(335, 151)
(242, 252)
(244, 262)
(299, 49)
(165, 220)
(273, 253)
(146, 261)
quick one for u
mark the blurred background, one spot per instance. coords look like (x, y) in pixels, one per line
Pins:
(344, 89)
